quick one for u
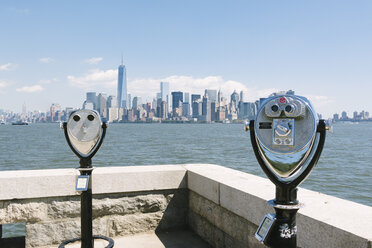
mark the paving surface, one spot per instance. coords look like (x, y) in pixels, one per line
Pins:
(173, 239)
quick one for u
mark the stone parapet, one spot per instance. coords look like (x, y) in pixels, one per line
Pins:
(126, 200)
(221, 205)
(26, 184)
(324, 221)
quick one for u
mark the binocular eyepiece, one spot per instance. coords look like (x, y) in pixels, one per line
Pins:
(286, 106)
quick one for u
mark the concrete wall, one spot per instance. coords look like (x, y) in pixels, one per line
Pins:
(224, 197)
(126, 200)
(221, 205)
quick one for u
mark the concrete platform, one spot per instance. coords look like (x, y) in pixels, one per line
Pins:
(173, 239)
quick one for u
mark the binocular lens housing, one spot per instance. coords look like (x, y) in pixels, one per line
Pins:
(285, 107)
(84, 128)
(285, 129)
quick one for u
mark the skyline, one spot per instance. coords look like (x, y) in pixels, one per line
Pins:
(55, 52)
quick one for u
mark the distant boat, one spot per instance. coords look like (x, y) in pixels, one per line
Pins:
(20, 123)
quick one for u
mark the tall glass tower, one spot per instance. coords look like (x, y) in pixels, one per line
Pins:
(122, 86)
(164, 91)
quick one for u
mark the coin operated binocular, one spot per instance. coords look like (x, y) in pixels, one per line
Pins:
(287, 138)
(84, 133)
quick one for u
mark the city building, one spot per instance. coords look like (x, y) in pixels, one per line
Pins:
(247, 110)
(177, 100)
(163, 110)
(137, 102)
(344, 116)
(241, 96)
(129, 101)
(213, 110)
(88, 105)
(186, 97)
(186, 109)
(122, 94)
(164, 92)
(111, 102)
(102, 105)
(197, 108)
(206, 109)
(211, 94)
(92, 98)
(234, 99)
(195, 97)
(55, 112)
(112, 114)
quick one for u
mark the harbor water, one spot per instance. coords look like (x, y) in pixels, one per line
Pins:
(344, 169)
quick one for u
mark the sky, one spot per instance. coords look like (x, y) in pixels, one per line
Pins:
(56, 51)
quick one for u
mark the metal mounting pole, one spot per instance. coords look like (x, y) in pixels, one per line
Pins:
(284, 231)
(86, 207)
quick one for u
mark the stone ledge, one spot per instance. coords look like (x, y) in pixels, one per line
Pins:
(61, 182)
(138, 178)
(334, 219)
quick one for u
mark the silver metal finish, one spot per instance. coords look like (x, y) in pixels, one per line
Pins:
(287, 207)
(84, 130)
(285, 129)
(283, 132)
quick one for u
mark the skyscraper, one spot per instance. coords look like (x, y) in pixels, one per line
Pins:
(197, 109)
(163, 110)
(186, 97)
(194, 97)
(235, 99)
(206, 109)
(129, 101)
(102, 104)
(164, 92)
(177, 98)
(211, 94)
(241, 96)
(137, 102)
(92, 98)
(122, 86)
(111, 102)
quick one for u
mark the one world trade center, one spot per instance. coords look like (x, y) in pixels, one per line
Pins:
(122, 87)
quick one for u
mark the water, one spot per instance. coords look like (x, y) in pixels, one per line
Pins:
(344, 169)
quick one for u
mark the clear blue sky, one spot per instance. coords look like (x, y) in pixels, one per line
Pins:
(55, 51)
